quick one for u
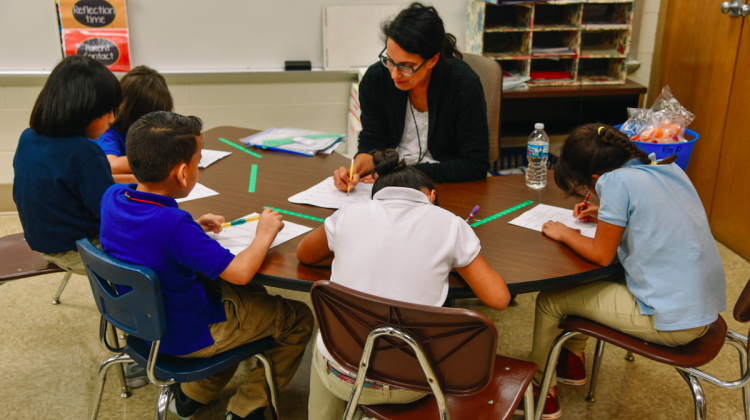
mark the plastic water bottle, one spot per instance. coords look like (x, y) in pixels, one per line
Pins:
(536, 152)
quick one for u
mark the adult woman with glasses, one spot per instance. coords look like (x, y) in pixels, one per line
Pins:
(424, 101)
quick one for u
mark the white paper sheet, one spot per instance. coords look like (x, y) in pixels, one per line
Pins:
(199, 191)
(237, 238)
(326, 195)
(541, 214)
(210, 156)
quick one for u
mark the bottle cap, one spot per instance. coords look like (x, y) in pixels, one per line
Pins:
(539, 126)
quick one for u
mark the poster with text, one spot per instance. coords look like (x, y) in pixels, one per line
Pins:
(97, 29)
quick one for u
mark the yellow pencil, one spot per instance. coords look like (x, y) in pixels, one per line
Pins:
(239, 222)
(351, 174)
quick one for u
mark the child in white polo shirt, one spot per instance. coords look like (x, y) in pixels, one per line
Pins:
(400, 246)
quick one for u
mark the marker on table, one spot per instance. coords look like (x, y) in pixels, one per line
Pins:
(473, 212)
(351, 174)
(582, 208)
(239, 222)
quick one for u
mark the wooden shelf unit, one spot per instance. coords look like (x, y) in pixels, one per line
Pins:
(597, 32)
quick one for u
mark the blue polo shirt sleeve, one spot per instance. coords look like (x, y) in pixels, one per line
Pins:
(614, 199)
(92, 181)
(110, 143)
(192, 248)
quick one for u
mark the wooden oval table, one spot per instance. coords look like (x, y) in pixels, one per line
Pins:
(527, 260)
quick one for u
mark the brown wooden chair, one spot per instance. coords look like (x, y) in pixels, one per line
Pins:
(446, 352)
(18, 261)
(491, 75)
(686, 359)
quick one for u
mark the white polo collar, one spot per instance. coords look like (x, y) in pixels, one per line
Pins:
(401, 193)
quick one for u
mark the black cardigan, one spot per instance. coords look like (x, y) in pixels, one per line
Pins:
(458, 135)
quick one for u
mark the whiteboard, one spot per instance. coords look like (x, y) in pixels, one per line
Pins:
(198, 36)
(29, 36)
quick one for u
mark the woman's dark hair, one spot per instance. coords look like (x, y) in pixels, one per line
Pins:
(393, 172)
(78, 91)
(159, 141)
(418, 29)
(594, 149)
(144, 90)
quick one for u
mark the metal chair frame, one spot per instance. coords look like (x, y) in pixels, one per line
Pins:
(690, 375)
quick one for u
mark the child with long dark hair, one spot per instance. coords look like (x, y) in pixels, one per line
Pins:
(399, 245)
(144, 90)
(651, 217)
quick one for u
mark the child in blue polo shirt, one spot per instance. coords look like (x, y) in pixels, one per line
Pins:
(60, 175)
(651, 217)
(144, 90)
(142, 224)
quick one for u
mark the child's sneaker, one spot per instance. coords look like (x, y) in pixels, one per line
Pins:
(135, 375)
(256, 414)
(181, 405)
(552, 408)
(571, 368)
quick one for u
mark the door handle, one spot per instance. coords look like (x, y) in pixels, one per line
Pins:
(735, 8)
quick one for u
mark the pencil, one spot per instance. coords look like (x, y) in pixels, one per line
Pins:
(351, 174)
(239, 222)
(583, 207)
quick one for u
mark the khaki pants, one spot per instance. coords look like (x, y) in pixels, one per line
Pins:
(609, 303)
(251, 315)
(71, 260)
(329, 393)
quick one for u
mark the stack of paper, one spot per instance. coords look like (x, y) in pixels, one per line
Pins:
(515, 81)
(294, 140)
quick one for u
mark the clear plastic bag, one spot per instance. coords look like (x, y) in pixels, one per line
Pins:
(664, 122)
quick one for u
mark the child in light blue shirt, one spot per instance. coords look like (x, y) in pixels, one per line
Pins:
(651, 217)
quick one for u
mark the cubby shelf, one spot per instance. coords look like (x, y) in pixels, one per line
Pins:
(589, 39)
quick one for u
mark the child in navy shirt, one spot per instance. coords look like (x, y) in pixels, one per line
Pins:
(60, 175)
(142, 224)
(144, 90)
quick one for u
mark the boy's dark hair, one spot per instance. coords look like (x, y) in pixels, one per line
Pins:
(78, 91)
(418, 29)
(393, 172)
(144, 90)
(594, 149)
(159, 141)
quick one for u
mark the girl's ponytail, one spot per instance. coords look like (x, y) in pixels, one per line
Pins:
(394, 172)
(614, 137)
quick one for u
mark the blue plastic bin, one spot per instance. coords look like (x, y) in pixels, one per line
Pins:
(663, 150)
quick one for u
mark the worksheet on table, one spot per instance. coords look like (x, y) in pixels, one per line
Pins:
(199, 191)
(210, 156)
(326, 195)
(237, 238)
(541, 214)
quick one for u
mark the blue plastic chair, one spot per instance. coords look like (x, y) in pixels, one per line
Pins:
(140, 313)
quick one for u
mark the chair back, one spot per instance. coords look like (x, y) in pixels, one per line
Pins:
(491, 75)
(139, 312)
(460, 344)
(742, 307)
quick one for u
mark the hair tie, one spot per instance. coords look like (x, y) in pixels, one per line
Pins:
(600, 130)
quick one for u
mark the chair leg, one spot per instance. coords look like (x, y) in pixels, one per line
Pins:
(268, 369)
(528, 403)
(598, 354)
(162, 403)
(56, 298)
(629, 357)
(554, 353)
(101, 377)
(124, 389)
(739, 345)
(698, 396)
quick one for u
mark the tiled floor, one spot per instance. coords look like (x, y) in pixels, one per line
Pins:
(49, 356)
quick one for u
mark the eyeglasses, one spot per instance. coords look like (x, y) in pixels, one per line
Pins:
(405, 70)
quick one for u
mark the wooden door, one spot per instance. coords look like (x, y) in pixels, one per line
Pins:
(730, 213)
(698, 56)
